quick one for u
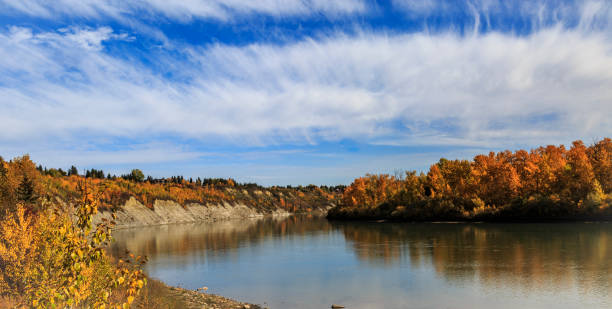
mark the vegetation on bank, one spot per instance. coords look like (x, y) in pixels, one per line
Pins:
(22, 181)
(52, 257)
(547, 183)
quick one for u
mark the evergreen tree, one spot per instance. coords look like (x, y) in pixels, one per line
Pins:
(3, 170)
(3, 180)
(73, 171)
(25, 191)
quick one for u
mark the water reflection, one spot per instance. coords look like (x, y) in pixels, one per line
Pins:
(526, 255)
(221, 236)
(554, 264)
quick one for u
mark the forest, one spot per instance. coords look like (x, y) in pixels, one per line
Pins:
(546, 183)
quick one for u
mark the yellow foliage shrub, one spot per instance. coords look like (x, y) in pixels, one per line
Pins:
(49, 260)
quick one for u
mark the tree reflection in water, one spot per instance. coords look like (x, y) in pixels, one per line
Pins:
(524, 256)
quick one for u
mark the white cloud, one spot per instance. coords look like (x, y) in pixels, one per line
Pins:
(89, 38)
(183, 10)
(493, 89)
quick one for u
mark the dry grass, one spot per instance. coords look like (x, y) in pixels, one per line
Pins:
(158, 295)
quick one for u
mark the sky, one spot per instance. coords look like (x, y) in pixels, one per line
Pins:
(298, 91)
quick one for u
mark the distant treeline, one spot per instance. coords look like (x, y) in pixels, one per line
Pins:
(137, 175)
(550, 182)
(21, 181)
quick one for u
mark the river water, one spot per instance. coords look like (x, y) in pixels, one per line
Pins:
(301, 262)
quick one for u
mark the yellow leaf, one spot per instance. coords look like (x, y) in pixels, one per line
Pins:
(130, 299)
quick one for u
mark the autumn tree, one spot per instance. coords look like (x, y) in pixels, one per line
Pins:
(411, 189)
(20, 183)
(371, 190)
(578, 177)
(550, 167)
(526, 166)
(600, 156)
(57, 259)
(452, 179)
(498, 181)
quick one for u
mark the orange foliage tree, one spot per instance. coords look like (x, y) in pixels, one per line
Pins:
(575, 177)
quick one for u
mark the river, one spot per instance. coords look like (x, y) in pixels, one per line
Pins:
(301, 262)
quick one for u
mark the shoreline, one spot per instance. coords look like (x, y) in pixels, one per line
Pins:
(605, 219)
(158, 294)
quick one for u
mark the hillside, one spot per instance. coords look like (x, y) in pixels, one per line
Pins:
(143, 201)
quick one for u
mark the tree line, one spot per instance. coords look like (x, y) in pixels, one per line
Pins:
(546, 182)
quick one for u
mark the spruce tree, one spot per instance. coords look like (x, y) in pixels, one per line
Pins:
(73, 171)
(3, 170)
(25, 191)
(3, 181)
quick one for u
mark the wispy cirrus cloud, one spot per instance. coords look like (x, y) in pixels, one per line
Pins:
(551, 85)
(512, 16)
(182, 11)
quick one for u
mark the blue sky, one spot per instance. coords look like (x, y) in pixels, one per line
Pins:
(298, 91)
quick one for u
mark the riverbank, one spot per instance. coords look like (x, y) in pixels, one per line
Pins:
(159, 295)
(432, 210)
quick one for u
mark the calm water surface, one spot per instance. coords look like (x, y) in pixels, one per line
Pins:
(301, 262)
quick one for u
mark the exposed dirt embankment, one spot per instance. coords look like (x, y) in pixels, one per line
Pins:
(134, 213)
